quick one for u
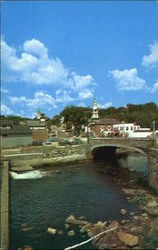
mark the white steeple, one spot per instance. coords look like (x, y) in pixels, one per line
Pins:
(95, 114)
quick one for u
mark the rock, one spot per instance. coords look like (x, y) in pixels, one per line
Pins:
(101, 224)
(60, 232)
(71, 233)
(132, 213)
(114, 224)
(57, 171)
(27, 248)
(128, 198)
(22, 168)
(85, 228)
(82, 217)
(152, 204)
(107, 241)
(51, 230)
(128, 239)
(123, 221)
(131, 169)
(25, 227)
(71, 217)
(90, 233)
(137, 230)
(123, 211)
(72, 220)
(151, 211)
(136, 217)
(67, 226)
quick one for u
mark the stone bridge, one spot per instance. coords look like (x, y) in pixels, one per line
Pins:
(107, 147)
(140, 145)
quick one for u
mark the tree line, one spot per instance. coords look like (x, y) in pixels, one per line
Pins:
(142, 114)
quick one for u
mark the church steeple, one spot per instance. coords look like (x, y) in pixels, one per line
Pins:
(95, 114)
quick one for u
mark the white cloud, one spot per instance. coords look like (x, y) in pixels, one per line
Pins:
(5, 110)
(151, 60)
(63, 96)
(36, 47)
(128, 79)
(86, 94)
(4, 91)
(40, 99)
(34, 66)
(155, 88)
(105, 105)
(77, 82)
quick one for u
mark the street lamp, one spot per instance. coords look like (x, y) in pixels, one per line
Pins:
(153, 130)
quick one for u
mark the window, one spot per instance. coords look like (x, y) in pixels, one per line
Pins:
(126, 128)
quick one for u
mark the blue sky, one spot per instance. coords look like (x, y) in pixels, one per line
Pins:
(66, 53)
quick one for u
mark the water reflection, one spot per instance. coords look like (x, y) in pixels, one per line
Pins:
(88, 189)
(136, 162)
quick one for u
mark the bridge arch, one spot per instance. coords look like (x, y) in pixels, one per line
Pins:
(114, 146)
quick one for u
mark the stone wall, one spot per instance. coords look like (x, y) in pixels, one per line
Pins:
(11, 141)
(153, 168)
(43, 156)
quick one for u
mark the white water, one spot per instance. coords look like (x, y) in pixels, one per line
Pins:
(36, 174)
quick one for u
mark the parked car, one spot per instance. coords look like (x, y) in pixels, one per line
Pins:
(50, 141)
(70, 141)
(37, 143)
(63, 142)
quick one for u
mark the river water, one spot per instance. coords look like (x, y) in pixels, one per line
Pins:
(43, 199)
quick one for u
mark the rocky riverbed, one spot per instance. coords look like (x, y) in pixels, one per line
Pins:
(137, 232)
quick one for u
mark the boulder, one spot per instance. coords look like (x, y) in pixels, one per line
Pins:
(67, 226)
(101, 224)
(27, 248)
(128, 239)
(136, 230)
(72, 220)
(114, 224)
(85, 227)
(25, 227)
(71, 233)
(51, 230)
(60, 232)
(123, 211)
(153, 211)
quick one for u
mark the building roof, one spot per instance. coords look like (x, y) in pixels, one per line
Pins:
(17, 130)
(137, 131)
(105, 121)
(35, 123)
(6, 122)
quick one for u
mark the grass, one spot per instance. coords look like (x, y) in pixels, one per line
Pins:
(140, 198)
(143, 182)
(151, 241)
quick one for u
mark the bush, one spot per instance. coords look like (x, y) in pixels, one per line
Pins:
(140, 198)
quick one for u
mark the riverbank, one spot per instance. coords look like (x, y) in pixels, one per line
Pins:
(73, 190)
(29, 158)
(134, 230)
(4, 214)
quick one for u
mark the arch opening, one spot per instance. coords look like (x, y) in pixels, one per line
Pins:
(104, 153)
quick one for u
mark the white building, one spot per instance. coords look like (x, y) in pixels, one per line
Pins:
(132, 130)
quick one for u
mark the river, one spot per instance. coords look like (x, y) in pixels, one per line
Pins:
(43, 199)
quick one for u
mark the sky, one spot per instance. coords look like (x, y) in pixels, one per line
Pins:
(59, 53)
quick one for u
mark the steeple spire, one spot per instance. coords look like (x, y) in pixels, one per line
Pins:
(95, 114)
